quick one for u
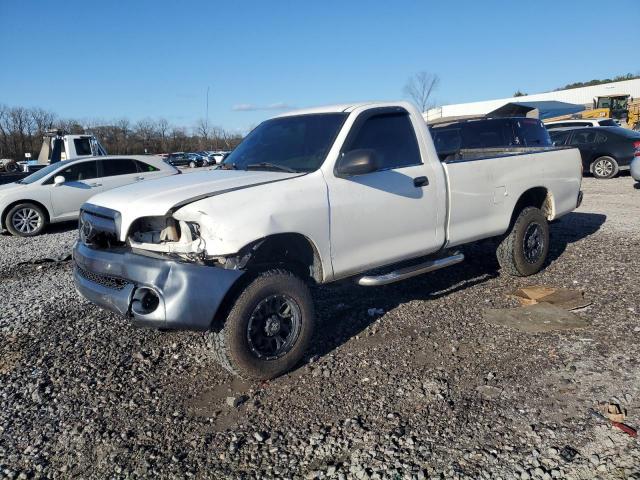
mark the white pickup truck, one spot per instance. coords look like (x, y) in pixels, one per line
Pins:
(307, 198)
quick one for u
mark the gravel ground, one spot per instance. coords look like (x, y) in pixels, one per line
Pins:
(421, 387)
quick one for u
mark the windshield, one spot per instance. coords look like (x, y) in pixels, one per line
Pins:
(299, 143)
(43, 172)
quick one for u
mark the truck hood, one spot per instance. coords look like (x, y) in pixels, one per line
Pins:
(157, 197)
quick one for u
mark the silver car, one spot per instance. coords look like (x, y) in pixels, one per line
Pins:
(635, 170)
(56, 192)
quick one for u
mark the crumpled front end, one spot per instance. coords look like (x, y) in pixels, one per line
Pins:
(152, 289)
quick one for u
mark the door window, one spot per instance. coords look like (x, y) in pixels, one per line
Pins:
(393, 139)
(488, 134)
(118, 166)
(583, 138)
(145, 167)
(533, 133)
(560, 138)
(77, 172)
(446, 140)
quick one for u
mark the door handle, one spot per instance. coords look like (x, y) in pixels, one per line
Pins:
(139, 178)
(420, 182)
(95, 184)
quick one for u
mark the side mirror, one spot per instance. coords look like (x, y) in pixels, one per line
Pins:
(58, 180)
(358, 162)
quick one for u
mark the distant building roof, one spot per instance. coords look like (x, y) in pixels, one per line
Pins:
(581, 96)
(546, 109)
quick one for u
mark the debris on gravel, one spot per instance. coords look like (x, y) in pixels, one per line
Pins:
(417, 386)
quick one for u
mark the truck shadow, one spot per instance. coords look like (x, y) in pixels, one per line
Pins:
(572, 228)
(343, 308)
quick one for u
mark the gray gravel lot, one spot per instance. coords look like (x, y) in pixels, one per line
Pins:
(425, 389)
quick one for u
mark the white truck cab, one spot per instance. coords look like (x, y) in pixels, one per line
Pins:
(58, 145)
(310, 197)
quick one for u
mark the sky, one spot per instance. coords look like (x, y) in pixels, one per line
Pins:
(150, 59)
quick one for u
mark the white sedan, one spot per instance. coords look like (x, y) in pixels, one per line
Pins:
(56, 192)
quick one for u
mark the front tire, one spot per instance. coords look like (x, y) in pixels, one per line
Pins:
(192, 164)
(604, 167)
(525, 248)
(25, 220)
(268, 329)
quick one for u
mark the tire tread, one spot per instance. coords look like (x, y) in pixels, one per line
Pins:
(217, 340)
(507, 248)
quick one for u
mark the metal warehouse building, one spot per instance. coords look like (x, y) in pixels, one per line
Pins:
(582, 96)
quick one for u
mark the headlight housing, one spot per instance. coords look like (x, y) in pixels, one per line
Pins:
(167, 235)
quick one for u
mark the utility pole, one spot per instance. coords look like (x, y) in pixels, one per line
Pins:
(207, 116)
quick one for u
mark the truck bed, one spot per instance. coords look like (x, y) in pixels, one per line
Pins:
(485, 184)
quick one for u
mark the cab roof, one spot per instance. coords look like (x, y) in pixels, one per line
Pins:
(344, 108)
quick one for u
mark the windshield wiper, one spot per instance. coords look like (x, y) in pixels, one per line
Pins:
(20, 181)
(282, 168)
(228, 166)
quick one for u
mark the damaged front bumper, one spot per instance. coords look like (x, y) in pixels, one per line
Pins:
(153, 292)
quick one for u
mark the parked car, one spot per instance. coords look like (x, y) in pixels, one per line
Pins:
(219, 156)
(478, 137)
(635, 170)
(587, 122)
(182, 159)
(205, 157)
(56, 192)
(310, 197)
(213, 157)
(604, 150)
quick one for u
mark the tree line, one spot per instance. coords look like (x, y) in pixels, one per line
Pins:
(618, 78)
(22, 130)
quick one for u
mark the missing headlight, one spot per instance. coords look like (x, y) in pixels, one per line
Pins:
(167, 235)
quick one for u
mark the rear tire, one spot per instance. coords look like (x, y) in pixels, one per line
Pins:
(12, 167)
(268, 329)
(604, 167)
(525, 248)
(25, 220)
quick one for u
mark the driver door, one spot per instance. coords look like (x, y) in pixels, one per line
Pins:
(387, 215)
(81, 182)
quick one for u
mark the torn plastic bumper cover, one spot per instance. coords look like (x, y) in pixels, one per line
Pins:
(153, 292)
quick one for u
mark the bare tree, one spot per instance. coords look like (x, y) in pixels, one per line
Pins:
(419, 88)
(5, 132)
(145, 131)
(43, 119)
(123, 128)
(179, 139)
(162, 129)
(204, 132)
(21, 131)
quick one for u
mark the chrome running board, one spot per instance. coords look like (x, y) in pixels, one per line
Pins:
(408, 272)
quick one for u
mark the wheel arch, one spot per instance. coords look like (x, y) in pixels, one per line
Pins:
(292, 251)
(3, 215)
(538, 197)
(295, 250)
